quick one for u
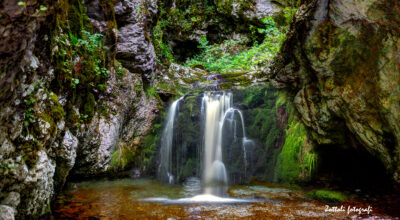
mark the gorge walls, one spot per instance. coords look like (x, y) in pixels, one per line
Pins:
(66, 102)
(341, 60)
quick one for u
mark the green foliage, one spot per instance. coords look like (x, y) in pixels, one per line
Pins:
(43, 8)
(288, 169)
(80, 67)
(203, 42)
(309, 162)
(233, 55)
(122, 157)
(30, 101)
(289, 14)
(119, 69)
(152, 92)
(270, 28)
(327, 196)
(181, 20)
(74, 82)
(80, 60)
(163, 51)
(88, 107)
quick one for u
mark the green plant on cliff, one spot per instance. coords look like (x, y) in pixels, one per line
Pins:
(81, 67)
(234, 55)
(81, 61)
(123, 156)
(297, 159)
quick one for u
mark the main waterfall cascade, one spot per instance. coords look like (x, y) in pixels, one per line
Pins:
(219, 121)
(214, 173)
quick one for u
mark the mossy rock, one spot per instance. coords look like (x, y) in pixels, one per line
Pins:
(31, 149)
(89, 106)
(327, 196)
(123, 156)
(225, 86)
(57, 112)
(47, 118)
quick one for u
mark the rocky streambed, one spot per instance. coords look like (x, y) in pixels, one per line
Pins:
(123, 199)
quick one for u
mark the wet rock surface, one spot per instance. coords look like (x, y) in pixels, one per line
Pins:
(6, 212)
(340, 58)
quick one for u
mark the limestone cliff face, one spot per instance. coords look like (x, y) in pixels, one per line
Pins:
(135, 49)
(60, 113)
(342, 59)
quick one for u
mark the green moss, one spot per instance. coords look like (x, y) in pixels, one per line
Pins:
(147, 153)
(57, 112)
(297, 160)
(72, 117)
(78, 20)
(123, 156)
(53, 97)
(80, 58)
(31, 149)
(327, 196)
(288, 169)
(152, 92)
(89, 106)
(225, 86)
(47, 118)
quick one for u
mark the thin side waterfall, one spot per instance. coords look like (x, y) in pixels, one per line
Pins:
(165, 168)
(245, 141)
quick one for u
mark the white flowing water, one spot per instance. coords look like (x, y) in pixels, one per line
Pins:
(216, 109)
(215, 178)
(245, 141)
(165, 168)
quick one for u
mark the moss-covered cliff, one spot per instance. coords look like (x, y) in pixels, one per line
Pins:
(67, 103)
(340, 60)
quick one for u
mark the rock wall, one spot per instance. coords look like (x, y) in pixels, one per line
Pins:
(135, 49)
(64, 113)
(341, 60)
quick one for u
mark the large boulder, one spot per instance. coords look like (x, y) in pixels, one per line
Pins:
(341, 58)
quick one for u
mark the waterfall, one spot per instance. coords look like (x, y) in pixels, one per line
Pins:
(245, 141)
(165, 168)
(214, 173)
(219, 123)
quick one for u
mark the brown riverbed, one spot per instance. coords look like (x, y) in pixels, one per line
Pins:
(122, 199)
